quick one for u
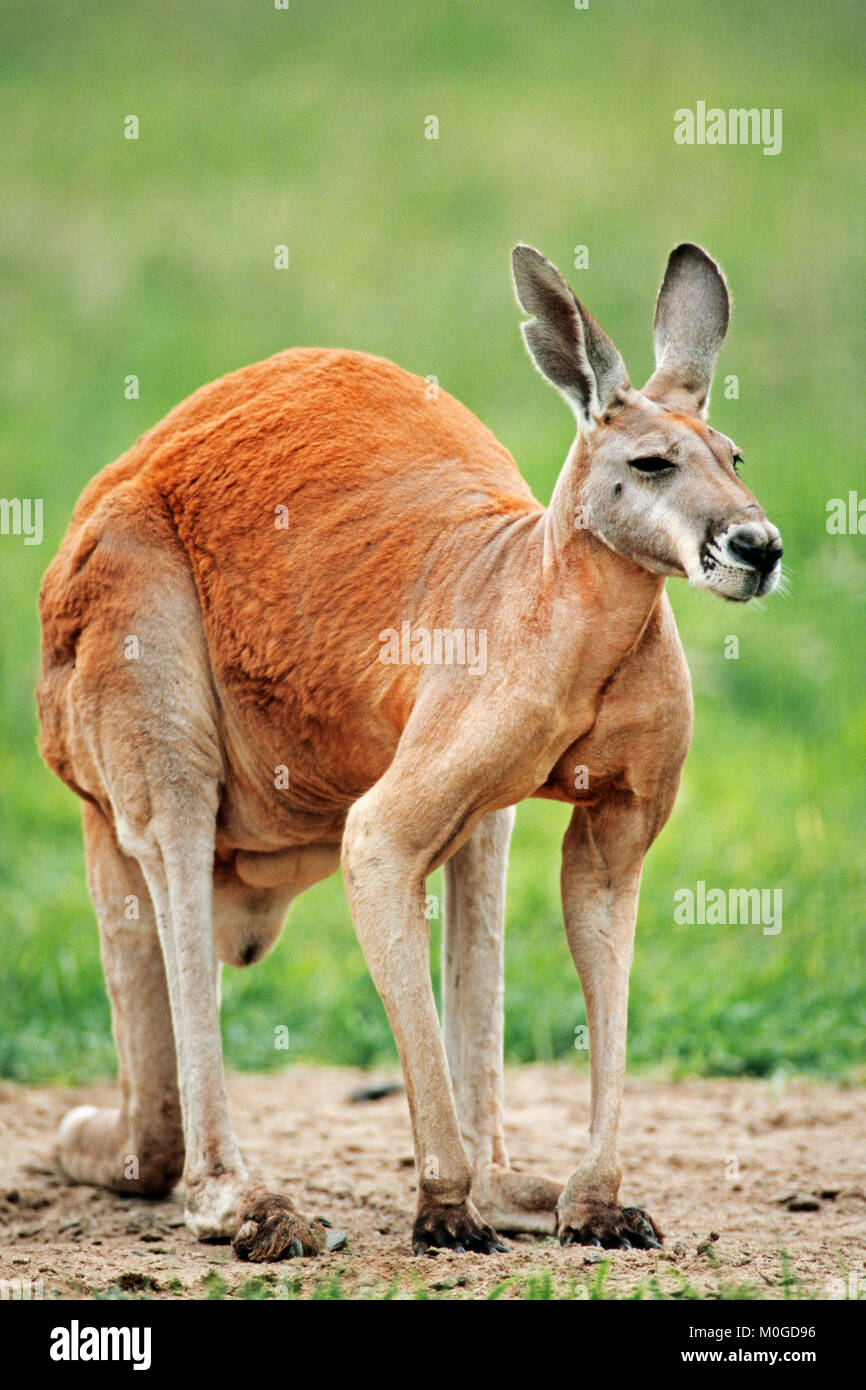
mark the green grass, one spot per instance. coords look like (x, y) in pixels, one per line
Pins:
(666, 1285)
(305, 127)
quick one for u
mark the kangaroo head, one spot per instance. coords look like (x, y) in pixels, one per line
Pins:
(651, 479)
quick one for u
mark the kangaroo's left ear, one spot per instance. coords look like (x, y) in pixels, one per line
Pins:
(564, 340)
(691, 321)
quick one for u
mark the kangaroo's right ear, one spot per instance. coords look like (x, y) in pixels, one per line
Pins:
(564, 340)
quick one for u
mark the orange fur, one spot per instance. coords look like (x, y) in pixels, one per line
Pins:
(292, 617)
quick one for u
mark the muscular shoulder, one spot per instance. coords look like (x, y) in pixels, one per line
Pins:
(642, 732)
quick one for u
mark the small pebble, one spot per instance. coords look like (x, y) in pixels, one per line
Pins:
(801, 1202)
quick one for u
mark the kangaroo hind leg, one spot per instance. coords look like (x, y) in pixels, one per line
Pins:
(137, 1147)
(472, 994)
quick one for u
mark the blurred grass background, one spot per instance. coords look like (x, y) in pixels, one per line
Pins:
(306, 127)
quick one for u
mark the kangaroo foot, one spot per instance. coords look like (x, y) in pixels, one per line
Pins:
(97, 1146)
(608, 1226)
(271, 1229)
(516, 1202)
(459, 1228)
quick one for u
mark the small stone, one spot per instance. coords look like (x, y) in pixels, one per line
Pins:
(377, 1091)
(802, 1202)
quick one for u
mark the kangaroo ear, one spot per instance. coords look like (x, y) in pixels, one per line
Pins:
(691, 321)
(564, 341)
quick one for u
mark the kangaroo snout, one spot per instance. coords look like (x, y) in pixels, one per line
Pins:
(757, 544)
(742, 561)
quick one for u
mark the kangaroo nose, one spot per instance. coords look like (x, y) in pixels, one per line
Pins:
(755, 546)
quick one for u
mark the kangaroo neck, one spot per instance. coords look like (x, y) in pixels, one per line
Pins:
(604, 598)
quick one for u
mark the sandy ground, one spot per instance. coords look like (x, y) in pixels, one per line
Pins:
(701, 1156)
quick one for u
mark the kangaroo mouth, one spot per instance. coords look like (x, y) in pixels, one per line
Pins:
(734, 579)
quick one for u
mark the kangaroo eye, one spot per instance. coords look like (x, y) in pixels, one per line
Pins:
(737, 460)
(651, 465)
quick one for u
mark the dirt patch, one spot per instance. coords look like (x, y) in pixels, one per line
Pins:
(702, 1156)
